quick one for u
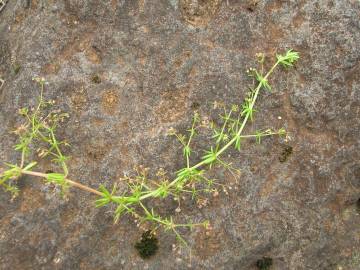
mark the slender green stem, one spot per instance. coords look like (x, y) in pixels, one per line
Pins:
(22, 158)
(227, 117)
(192, 133)
(232, 141)
(61, 156)
(34, 127)
(139, 190)
(149, 194)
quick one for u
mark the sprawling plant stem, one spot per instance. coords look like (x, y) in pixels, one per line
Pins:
(41, 129)
(231, 142)
(70, 182)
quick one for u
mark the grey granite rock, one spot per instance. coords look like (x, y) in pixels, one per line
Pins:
(156, 61)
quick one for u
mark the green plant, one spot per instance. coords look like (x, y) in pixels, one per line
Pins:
(264, 264)
(148, 245)
(287, 151)
(96, 79)
(41, 123)
(15, 68)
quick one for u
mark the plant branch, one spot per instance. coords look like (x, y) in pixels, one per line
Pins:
(70, 182)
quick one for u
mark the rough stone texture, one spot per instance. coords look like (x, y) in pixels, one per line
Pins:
(156, 61)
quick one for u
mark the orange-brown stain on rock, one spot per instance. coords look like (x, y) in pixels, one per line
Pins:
(275, 32)
(142, 60)
(92, 55)
(71, 20)
(193, 72)
(141, 5)
(172, 106)
(79, 44)
(109, 101)
(73, 47)
(251, 5)
(145, 29)
(5, 223)
(199, 13)
(79, 99)
(114, 4)
(182, 59)
(208, 243)
(51, 68)
(120, 60)
(208, 44)
(96, 122)
(32, 200)
(272, 178)
(72, 237)
(34, 4)
(126, 158)
(268, 187)
(36, 237)
(321, 184)
(19, 17)
(298, 20)
(130, 80)
(97, 150)
(337, 205)
(274, 6)
(68, 216)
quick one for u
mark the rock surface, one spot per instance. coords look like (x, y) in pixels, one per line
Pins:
(156, 61)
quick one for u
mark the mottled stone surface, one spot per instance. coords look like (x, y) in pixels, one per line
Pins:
(156, 61)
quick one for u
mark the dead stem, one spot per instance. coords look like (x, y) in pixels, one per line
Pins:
(71, 182)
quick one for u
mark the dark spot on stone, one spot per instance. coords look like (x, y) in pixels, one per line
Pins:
(264, 264)
(96, 48)
(96, 79)
(49, 171)
(21, 184)
(287, 151)
(195, 105)
(358, 205)
(148, 245)
(252, 5)
(97, 150)
(250, 8)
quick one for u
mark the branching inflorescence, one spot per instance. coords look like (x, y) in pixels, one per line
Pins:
(38, 134)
